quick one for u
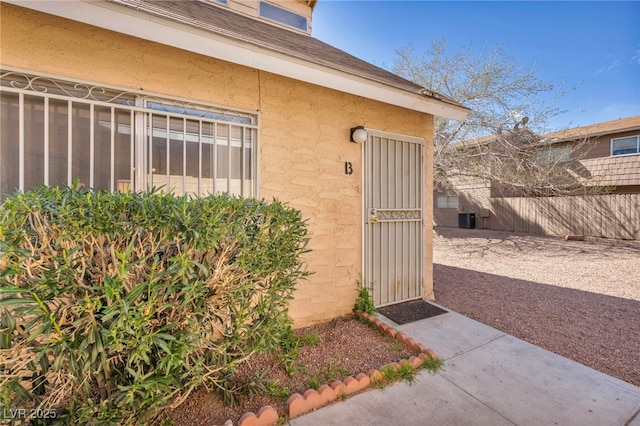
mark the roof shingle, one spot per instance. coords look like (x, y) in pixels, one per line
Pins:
(235, 26)
(593, 130)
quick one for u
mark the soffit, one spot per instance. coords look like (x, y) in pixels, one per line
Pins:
(298, 45)
(253, 42)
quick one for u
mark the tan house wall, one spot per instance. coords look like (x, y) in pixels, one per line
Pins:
(619, 171)
(44, 43)
(622, 171)
(601, 146)
(474, 197)
(303, 141)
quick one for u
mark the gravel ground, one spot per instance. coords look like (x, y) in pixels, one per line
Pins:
(342, 347)
(579, 299)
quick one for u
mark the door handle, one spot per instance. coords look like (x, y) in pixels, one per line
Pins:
(373, 218)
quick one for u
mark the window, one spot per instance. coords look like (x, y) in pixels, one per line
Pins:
(56, 132)
(554, 155)
(283, 16)
(447, 201)
(625, 146)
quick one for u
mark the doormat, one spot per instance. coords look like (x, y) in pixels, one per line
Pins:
(406, 312)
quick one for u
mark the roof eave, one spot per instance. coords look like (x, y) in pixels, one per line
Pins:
(593, 134)
(135, 23)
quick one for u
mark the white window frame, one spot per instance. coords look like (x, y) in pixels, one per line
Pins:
(447, 201)
(140, 108)
(271, 11)
(613, 140)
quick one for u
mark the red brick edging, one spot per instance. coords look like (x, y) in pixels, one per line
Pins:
(298, 405)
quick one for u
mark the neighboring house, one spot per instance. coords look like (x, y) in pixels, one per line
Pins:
(612, 156)
(608, 157)
(229, 96)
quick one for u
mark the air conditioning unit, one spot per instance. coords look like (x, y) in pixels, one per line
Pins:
(467, 220)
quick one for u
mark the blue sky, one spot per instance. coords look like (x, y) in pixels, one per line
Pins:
(593, 44)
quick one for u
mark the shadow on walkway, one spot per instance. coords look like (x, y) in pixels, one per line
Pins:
(596, 330)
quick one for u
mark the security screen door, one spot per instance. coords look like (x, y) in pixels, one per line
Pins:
(393, 216)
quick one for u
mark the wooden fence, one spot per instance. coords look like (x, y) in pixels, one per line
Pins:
(610, 216)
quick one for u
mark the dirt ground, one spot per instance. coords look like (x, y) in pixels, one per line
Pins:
(579, 299)
(341, 347)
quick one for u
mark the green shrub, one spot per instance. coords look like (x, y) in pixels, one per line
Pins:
(114, 306)
(364, 301)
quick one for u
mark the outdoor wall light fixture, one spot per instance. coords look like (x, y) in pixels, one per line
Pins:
(358, 134)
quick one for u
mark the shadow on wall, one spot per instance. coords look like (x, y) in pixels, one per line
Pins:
(587, 327)
(476, 203)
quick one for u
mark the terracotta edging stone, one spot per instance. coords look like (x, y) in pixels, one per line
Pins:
(299, 404)
(266, 416)
(312, 399)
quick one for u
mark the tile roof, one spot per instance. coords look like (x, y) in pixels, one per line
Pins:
(226, 23)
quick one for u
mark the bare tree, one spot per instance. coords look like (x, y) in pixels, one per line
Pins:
(500, 139)
(519, 162)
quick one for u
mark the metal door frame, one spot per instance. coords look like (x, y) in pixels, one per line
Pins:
(367, 242)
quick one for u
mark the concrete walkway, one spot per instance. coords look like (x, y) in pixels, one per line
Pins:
(489, 378)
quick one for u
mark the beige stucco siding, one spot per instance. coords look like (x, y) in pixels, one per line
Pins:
(44, 43)
(305, 143)
(304, 134)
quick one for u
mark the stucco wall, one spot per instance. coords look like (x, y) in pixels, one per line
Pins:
(474, 197)
(304, 134)
(305, 143)
(39, 42)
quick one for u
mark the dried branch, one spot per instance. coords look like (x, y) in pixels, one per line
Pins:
(499, 91)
